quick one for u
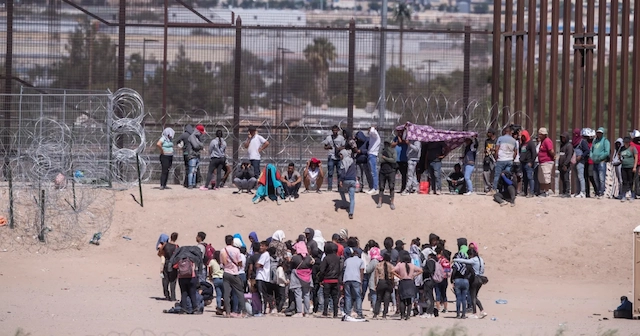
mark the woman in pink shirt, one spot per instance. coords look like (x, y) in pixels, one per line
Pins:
(406, 271)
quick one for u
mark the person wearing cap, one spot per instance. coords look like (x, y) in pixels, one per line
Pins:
(373, 150)
(581, 150)
(255, 144)
(333, 143)
(504, 155)
(312, 176)
(489, 162)
(546, 157)
(244, 178)
(600, 152)
(401, 146)
(196, 145)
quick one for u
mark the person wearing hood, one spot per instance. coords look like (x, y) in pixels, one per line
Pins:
(244, 178)
(628, 156)
(277, 241)
(589, 135)
(183, 142)
(165, 144)
(528, 154)
(600, 151)
(350, 140)
(564, 163)
(301, 278)
(362, 160)
(217, 162)
(388, 166)
(195, 142)
(546, 157)
(347, 180)
(333, 143)
(582, 151)
(617, 168)
(401, 146)
(253, 238)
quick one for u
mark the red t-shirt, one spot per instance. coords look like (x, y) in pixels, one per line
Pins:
(340, 250)
(545, 148)
(638, 149)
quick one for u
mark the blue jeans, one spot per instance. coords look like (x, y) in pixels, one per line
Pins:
(529, 187)
(331, 166)
(373, 165)
(579, 169)
(193, 167)
(256, 167)
(219, 287)
(352, 292)
(500, 167)
(435, 171)
(351, 186)
(462, 290)
(600, 172)
(468, 170)
(441, 291)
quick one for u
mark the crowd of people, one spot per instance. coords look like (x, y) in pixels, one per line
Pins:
(514, 164)
(310, 276)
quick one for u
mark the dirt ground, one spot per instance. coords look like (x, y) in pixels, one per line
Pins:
(561, 264)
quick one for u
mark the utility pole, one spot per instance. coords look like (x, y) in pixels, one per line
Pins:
(383, 65)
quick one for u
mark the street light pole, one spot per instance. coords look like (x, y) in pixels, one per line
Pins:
(429, 61)
(144, 63)
(383, 64)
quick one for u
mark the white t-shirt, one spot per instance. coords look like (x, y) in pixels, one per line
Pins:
(254, 145)
(244, 262)
(507, 148)
(263, 272)
(313, 173)
(374, 142)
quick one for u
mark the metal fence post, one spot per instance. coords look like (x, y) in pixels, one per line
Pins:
(122, 38)
(237, 59)
(352, 73)
(11, 201)
(466, 76)
(8, 68)
(495, 65)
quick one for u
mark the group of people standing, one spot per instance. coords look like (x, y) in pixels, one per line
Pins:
(328, 278)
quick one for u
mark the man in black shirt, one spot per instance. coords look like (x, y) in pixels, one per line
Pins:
(489, 162)
(436, 151)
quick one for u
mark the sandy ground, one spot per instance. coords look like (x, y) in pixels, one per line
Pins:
(561, 264)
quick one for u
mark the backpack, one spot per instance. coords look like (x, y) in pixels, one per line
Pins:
(438, 275)
(209, 251)
(185, 269)
(273, 270)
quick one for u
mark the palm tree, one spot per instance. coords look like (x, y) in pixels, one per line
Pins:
(400, 13)
(319, 54)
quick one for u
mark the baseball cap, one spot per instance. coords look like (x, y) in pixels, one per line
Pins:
(600, 130)
(543, 131)
(314, 160)
(399, 243)
(200, 129)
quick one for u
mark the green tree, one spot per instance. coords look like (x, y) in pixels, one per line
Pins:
(401, 13)
(90, 62)
(319, 54)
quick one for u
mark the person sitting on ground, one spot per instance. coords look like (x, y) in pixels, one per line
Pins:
(506, 190)
(388, 166)
(624, 310)
(313, 176)
(291, 181)
(456, 181)
(269, 185)
(243, 177)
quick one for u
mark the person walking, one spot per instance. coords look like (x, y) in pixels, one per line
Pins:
(347, 180)
(165, 144)
(629, 156)
(477, 264)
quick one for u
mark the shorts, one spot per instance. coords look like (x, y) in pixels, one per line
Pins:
(544, 172)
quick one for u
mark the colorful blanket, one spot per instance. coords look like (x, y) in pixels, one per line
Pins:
(424, 133)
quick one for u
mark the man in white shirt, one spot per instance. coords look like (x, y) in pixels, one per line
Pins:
(506, 150)
(263, 277)
(255, 144)
(334, 143)
(313, 176)
(374, 148)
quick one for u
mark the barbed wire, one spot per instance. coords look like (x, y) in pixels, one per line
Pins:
(60, 172)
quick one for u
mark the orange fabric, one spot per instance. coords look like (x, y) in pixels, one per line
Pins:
(263, 176)
(3, 221)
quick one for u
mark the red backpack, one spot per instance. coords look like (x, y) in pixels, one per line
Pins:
(209, 251)
(185, 269)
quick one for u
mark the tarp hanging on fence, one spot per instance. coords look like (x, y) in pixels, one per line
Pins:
(425, 133)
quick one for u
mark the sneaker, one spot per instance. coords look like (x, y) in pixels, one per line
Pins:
(491, 192)
(530, 196)
(239, 191)
(483, 315)
(623, 198)
(286, 199)
(503, 203)
(278, 201)
(256, 201)
(204, 188)
(404, 193)
(373, 192)
(580, 195)
(319, 191)
(379, 205)
(444, 311)
(469, 193)
(190, 187)
(513, 204)
(426, 316)
(393, 206)
(292, 199)
(350, 216)
(473, 316)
